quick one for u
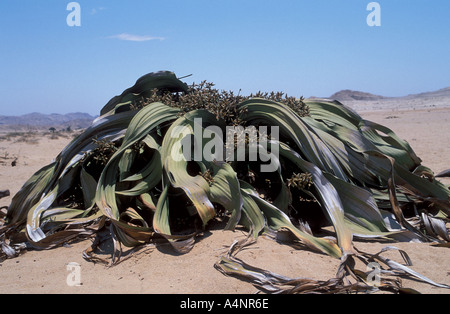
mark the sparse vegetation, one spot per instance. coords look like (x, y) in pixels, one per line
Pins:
(33, 137)
(29, 137)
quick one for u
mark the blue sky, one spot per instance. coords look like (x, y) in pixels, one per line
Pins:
(302, 47)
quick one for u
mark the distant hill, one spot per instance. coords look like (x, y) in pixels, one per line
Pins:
(76, 120)
(445, 92)
(362, 101)
(348, 95)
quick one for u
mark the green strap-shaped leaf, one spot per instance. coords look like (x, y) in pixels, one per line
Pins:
(29, 194)
(89, 187)
(176, 163)
(277, 220)
(143, 123)
(226, 191)
(161, 225)
(291, 126)
(163, 81)
(161, 218)
(252, 218)
(328, 196)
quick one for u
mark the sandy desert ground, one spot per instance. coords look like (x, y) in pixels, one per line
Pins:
(159, 270)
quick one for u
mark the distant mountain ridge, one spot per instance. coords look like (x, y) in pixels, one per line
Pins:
(444, 92)
(351, 95)
(362, 101)
(77, 119)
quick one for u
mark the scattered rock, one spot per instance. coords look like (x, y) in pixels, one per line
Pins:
(4, 193)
